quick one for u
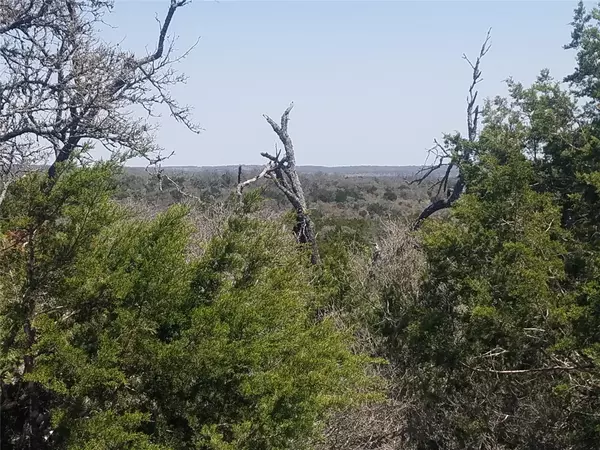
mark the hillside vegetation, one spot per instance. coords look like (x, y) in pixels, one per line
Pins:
(455, 306)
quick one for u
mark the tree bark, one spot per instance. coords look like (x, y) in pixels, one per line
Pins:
(281, 169)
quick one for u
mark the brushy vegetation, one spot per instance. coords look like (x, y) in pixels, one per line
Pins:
(187, 317)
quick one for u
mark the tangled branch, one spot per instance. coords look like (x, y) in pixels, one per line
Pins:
(63, 91)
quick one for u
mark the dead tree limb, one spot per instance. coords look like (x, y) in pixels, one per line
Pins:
(5, 185)
(564, 368)
(281, 170)
(455, 152)
(242, 184)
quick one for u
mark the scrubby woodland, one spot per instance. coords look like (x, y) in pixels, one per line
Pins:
(267, 308)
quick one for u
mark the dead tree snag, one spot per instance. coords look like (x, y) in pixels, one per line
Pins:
(281, 169)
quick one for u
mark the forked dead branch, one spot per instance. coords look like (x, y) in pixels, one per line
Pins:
(281, 170)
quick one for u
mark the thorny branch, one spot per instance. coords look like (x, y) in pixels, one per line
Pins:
(455, 151)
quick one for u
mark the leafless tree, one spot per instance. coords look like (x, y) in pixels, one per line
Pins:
(455, 152)
(281, 169)
(63, 90)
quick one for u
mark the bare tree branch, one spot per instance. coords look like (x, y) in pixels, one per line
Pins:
(242, 184)
(456, 151)
(62, 90)
(18, 15)
(281, 169)
(5, 187)
(163, 33)
(522, 371)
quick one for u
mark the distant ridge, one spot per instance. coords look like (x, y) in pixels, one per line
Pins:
(308, 169)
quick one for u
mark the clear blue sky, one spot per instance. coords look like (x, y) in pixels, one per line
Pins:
(372, 82)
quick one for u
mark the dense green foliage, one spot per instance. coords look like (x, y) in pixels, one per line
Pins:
(202, 324)
(132, 341)
(500, 348)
